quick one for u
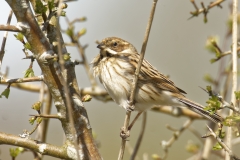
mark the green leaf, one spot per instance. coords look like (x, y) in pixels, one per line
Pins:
(66, 56)
(83, 19)
(213, 104)
(39, 120)
(70, 31)
(211, 43)
(51, 5)
(63, 6)
(27, 46)
(192, 147)
(237, 95)
(14, 152)
(5, 93)
(32, 120)
(86, 98)
(217, 146)
(156, 157)
(213, 60)
(40, 8)
(29, 73)
(63, 14)
(82, 32)
(19, 36)
(37, 106)
(231, 120)
(209, 88)
(205, 20)
(208, 78)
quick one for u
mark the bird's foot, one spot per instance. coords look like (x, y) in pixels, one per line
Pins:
(130, 107)
(125, 133)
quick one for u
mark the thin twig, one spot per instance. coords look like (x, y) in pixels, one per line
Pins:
(202, 10)
(234, 70)
(167, 144)
(225, 147)
(2, 51)
(129, 148)
(46, 110)
(65, 84)
(46, 116)
(39, 135)
(23, 80)
(10, 28)
(139, 140)
(223, 54)
(134, 84)
(81, 50)
(34, 129)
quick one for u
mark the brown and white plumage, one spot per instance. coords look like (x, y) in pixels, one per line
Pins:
(115, 67)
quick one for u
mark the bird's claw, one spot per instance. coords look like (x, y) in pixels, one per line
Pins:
(130, 107)
(124, 134)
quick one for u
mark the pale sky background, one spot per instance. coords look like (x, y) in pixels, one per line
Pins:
(175, 48)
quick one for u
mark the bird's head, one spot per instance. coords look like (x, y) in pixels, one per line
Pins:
(112, 45)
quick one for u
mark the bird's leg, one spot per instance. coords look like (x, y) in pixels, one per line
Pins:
(125, 133)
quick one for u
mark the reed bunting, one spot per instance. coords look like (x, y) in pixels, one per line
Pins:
(115, 67)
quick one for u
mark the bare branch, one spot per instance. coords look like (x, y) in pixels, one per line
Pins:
(42, 148)
(134, 84)
(167, 144)
(139, 140)
(46, 116)
(225, 147)
(205, 10)
(42, 47)
(9, 28)
(22, 80)
(2, 51)
(234, 70)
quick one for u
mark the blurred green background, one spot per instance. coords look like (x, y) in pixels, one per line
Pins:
(176, 47)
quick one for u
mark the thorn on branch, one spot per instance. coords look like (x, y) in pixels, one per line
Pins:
(223, 145)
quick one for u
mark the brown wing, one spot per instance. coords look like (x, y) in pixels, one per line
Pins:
(151, 75)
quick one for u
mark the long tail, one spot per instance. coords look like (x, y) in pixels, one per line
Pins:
(199, 109)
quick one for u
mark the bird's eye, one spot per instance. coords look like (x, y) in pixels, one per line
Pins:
(115, 44)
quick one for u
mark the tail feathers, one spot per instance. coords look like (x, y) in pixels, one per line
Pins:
(200, 110)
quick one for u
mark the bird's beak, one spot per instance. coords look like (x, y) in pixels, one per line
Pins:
(101, 46)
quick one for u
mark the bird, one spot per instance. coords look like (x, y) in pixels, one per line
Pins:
(115, 67)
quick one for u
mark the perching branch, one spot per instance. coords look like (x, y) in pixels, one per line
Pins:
(134, 83)
(139, 140)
